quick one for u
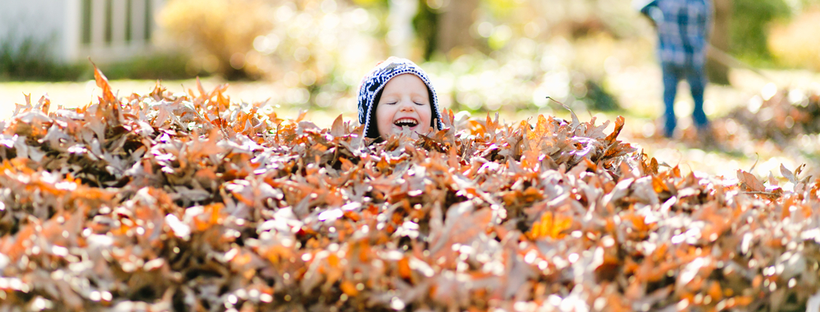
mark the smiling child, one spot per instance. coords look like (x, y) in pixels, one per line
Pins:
(396, 95)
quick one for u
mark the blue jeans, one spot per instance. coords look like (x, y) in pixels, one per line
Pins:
(696, 78)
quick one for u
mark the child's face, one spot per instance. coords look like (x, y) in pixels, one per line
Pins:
(405, 102)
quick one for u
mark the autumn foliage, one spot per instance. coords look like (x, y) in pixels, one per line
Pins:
(192, 202)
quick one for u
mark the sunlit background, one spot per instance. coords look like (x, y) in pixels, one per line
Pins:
(482, 54)
(507, 56)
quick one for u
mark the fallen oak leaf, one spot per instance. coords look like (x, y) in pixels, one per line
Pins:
(749, 181)
(550, 225)
(792, 177)
(619, 125)
(337, 129)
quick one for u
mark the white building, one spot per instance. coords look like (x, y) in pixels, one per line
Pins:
(73, 30)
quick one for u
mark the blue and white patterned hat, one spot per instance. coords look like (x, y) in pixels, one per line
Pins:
(374, 82)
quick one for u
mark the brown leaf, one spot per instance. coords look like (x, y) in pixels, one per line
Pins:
(102, 83)
(267, 212)
(619, 125)
(750, 181)
(338, 127)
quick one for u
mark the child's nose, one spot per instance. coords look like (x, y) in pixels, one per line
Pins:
(407, 107)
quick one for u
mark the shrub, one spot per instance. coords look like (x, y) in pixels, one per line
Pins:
(749, 27)
(156, 66)
(794, 44)
(220, 29)
(31, 60)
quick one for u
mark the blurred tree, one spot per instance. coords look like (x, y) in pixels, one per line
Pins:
(794, 44)
(444, 26)
(455, 21)
(718, 72)
(223, 30)
(426, 23)
(316, 51)
(371, 3)
(749, 28)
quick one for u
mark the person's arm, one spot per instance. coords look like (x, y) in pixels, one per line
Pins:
(700, 16)
(649, 8)
(706, 23)
(655, 14)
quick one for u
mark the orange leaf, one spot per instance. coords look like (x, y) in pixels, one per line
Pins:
(404, 268)
(619, 125)
(676, 172)
(658, 185)
(349, 289)
(715, 291)
(550, 225)
(476, 128)
(743, 300)
(102, 83)
(333, 260)
(541, 128)
(638, 222)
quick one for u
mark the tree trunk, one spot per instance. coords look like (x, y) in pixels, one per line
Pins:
(454, 22)
(719, 73)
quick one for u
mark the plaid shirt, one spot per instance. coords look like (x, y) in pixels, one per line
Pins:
(683, 31)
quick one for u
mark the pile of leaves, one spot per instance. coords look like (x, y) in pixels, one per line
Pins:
(191, 202)
(781, 117)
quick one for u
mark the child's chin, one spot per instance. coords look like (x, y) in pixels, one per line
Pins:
(411, 132)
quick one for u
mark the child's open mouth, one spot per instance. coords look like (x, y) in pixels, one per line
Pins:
(406, 122)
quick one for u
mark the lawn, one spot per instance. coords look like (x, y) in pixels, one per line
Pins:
(637, 89)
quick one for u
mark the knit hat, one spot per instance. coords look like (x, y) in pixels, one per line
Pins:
(374, 82)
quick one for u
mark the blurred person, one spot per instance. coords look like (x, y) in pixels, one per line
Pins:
(683, 35)
(396, 96)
